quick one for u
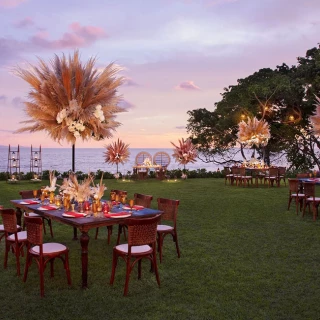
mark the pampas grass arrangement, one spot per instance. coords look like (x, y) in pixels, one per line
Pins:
(185, 152)
(71, 100)
(117, 152)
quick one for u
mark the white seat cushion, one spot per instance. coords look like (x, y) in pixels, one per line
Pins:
(299, 195)
(163, 227)
(49, 248)
(22, 236)
(317, 199)
(2, 227)
(134, 250)
(32, 214)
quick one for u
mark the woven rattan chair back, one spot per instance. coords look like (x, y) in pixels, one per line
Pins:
(9, 220)
(169, 208)
(142, 231)
(309, 189)
(34, 230)
(293, 185)
(143, 200)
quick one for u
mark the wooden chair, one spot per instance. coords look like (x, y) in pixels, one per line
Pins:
(243, 178)
(170, 212)
(28, 194)
(228, 176)
(272, 176)
(282, 174)
(15, 239)
(142, 237)
(235, 171)
(140, 200)
(294, 188)
(109, 228)
(309, 189)
(43, 253)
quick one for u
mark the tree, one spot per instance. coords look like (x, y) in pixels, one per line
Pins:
(284, 97)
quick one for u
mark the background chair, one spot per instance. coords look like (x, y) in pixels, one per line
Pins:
(309, 189)
(140, 200)
(15, 239)
(228, 176)
(109, 228)
(43, 253)
(28, 194)
(142, 235)
(243, 178)
(272, 177)
(282, 174)
(294, 187)
(170, 212)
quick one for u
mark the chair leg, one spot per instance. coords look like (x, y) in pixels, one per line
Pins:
(128, 272)
(175, 238)
(155, 266)
(114, 265)
(66, 266)
(289, 203)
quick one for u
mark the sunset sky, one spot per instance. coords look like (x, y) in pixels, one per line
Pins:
(177, 55)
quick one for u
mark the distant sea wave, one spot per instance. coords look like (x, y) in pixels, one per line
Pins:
(88, 159)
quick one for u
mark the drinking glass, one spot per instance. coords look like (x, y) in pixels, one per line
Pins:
(131, 204)
(123, 199)
(35, 193)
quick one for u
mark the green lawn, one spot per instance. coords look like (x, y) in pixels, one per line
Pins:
(243, 256)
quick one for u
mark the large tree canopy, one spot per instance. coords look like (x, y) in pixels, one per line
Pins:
(284, 97)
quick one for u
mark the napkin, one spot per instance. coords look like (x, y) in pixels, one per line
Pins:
(75, 214)
(108, 215)
(29, 202)
(47, 208)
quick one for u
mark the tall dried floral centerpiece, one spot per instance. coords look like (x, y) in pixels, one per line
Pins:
(185, 152)
(254, 132)
(117, 152)
(70, 100)
(315, 119)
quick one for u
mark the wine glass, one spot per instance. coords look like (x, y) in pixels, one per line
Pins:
(123, 199)
(131, 204)
(117, 198)
(35, 193)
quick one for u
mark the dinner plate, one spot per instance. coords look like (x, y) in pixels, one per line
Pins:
(127, 208)
(122, 216)
(70, 216)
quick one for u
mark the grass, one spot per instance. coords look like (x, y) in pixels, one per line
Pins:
(243, 256)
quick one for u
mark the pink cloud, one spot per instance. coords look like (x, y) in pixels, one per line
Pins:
(129, 82)
(80, 36)
(10, 3)
(126, 104)
(187, 85)
(26, 22)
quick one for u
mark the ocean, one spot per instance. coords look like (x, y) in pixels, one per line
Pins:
(88, 159)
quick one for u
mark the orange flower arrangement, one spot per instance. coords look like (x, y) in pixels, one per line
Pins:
(254, 132)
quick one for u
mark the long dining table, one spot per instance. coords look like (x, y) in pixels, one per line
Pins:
(83, 224)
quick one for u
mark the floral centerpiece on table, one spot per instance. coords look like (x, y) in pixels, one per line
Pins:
(254, 132)
(185, 152)
(53, 181)
(184, 176)
(71, 100)
(77, 191)
(147, 162)
(99, 189)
